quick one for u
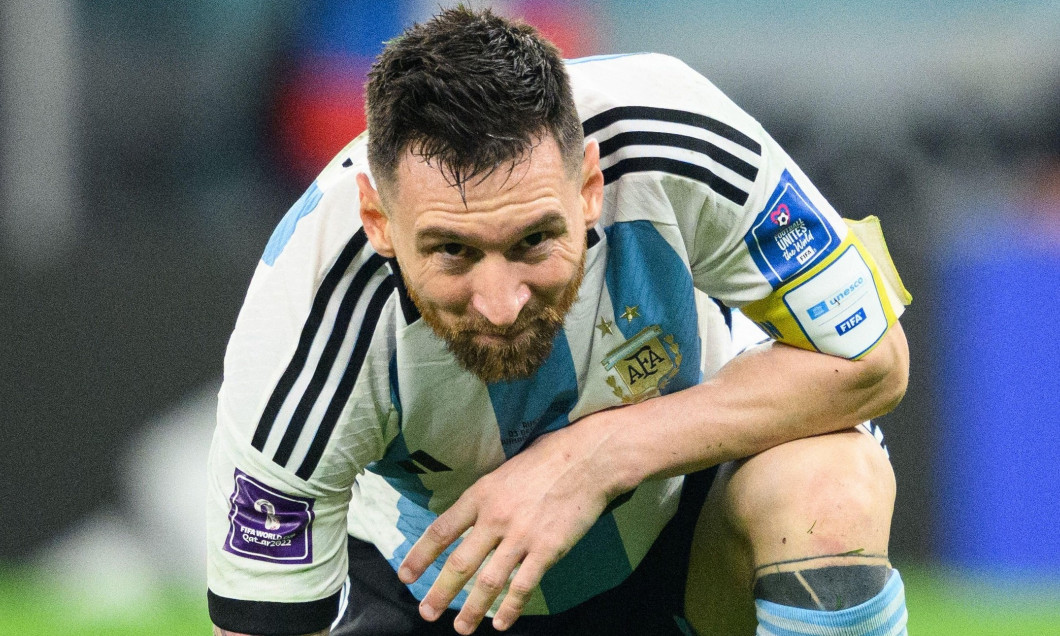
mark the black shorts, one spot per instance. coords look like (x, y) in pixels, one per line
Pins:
(650, 602)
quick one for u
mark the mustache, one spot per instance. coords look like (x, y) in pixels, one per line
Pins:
(528, 318)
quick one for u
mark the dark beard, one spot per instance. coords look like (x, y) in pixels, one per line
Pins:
(528, 341)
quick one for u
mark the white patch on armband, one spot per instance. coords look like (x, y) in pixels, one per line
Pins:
(839, 309)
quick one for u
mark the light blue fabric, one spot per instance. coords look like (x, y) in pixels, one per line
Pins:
(530, 407)
(285, 230)
(883, 615)
(646, 274)
(597, 58)
(413, 516)
(650, 283)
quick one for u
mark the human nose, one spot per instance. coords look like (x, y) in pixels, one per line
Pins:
(499, 293)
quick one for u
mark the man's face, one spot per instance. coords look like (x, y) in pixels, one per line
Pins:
(493, 278)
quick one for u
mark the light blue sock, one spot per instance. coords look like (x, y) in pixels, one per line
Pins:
(881, 615)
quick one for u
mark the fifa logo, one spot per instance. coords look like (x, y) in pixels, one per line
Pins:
(272, 522)
(854, 320)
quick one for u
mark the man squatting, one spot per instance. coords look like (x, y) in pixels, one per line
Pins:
(485, 373)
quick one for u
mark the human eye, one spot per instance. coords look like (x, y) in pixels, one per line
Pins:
(452, 249)
(533, 240)
(534, 246)
(452, 256)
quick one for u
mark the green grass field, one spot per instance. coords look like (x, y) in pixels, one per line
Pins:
(938, 606)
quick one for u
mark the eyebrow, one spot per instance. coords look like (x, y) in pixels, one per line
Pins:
(552, 220)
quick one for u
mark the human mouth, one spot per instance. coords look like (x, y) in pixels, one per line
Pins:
(486, 337)
(496, 338)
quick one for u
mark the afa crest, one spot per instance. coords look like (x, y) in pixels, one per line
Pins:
(641, 367)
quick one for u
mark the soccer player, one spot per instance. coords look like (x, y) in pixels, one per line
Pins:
(482, 380)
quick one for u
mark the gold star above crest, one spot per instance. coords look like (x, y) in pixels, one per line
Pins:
(605, 327)
(631, 312)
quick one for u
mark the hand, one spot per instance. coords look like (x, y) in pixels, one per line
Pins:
(530, 512)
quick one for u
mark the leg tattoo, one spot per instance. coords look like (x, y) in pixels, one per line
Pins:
(826, 583)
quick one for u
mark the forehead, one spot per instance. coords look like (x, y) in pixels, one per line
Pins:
(540, 177)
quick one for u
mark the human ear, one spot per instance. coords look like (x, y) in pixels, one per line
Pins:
(373, 218)
(592, 190)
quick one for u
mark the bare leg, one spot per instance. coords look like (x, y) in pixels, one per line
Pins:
(795, 511)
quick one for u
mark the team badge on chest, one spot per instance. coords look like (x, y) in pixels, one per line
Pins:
(641, 367)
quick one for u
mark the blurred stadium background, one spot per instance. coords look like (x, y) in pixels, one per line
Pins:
(148, 147)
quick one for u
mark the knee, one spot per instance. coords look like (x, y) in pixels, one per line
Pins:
(820, 495)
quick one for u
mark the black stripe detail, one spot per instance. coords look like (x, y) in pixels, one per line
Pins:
(395, 390)
(347, 163)
(679, 168)
(592, 237)
(327, 358)
(408, 308)
(270, 618)
(410, 466)
(726, 313)
(349, 377)
(305, 341)
(608, 117)
(428, 462)
(650, 138)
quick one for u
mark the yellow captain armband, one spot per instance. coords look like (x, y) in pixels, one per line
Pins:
(842, 305)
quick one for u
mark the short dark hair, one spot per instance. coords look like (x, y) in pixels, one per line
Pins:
(470, 91)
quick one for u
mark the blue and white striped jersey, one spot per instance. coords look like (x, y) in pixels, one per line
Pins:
(342, 412)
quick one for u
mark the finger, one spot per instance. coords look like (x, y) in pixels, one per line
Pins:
(489, 584)
(442, 532)
(520, 590)
(456, 572)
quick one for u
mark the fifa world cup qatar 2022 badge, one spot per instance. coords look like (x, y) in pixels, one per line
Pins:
(642, 366)
(267, 525)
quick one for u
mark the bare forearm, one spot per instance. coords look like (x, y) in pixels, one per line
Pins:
(761, 399)
(217, 631)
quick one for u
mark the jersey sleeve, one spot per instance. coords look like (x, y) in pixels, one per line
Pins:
(786, 258)
(304, 406)
(756, 233)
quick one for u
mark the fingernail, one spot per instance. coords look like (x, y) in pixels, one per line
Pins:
(405, 574)
(463, 626)
(428, 612)
(500, 624)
